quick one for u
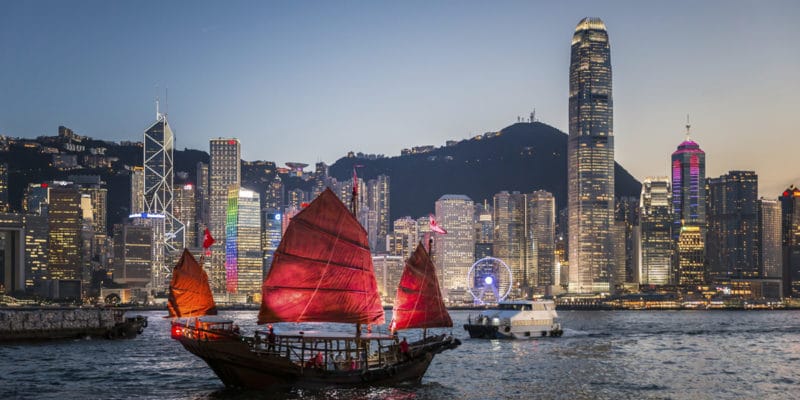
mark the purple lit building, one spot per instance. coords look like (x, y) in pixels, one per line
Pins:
(688, 186)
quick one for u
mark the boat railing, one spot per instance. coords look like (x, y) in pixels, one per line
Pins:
(330, 354)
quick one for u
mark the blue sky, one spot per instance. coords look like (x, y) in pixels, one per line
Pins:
(309, 81)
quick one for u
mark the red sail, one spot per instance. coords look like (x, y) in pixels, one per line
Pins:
(419, 303)
(322, 270)
(189, 292)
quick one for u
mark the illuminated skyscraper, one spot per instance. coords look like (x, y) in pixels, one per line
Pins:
(688, 186)
(484, 231)
(691, 250)
(769, 238)
(733, 226)
(454, 251)
(379, 202)
(405, 238)
(137, 190)
(275, 194)
(133, 249)
(201, 203)
(65, 223)
(185, 211)
(656, 232)
(510, 237)
(270, 236)
(541, 228)
(224, 172)
(158, 180)
(4, 206)
(243, 253)
(790, 238)
(590, 166)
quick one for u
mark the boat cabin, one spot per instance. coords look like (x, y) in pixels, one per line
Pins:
(210, 327)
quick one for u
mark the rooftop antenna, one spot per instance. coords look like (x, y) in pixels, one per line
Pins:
(688, 127)
(166, 100)
(158, 114)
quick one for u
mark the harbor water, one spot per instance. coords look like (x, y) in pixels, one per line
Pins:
(602, 355)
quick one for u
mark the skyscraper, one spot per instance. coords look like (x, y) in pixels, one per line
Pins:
(379, 202)
(691, 268)
(185, 211)
(769, 238)
(688, 186)
(4, 206)
(158, 180)
(541, 227)
(224, 172)
(590, 165)
(790, 238)
(656, 232)
(64, 241)
(270, 236)
(733, 226)
(454, 252)
(510, 237)
(243, 252)
(137, 190)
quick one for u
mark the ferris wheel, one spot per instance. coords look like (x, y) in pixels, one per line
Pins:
(489, 279)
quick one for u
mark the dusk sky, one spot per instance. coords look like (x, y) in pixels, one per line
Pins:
(310, 81)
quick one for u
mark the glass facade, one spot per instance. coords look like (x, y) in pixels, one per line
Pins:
(688, 186)
(769, 238)
(691, 249)
(510, 238)
(243, 251)
(158, 181)
(656, 232)
(541, 227)
(454, 251)
(733, 226)
(590, 171)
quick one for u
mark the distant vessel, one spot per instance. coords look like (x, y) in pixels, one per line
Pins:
(322, 272)
(522, 319)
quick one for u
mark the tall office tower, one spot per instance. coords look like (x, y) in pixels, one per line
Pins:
(98, 197)
(542, 233)
(619, 275)
(65, 224)
(133, 249)
(790, 240)
(270, 236)
(155, 222)
(484, 231)
(510, 238)
(275, 194)
(403, 239)
(201, 204)
(12, 251)
(388, 271)
(185, 211)
(37, 232)
(137, 190)
(4, 206)
(770, 258)
(691, 255)
(627, 213)
(158, 181)
(590, 155)
(655, 219)
(379, 202)
(688, 186)
(732, 214)
(224, 171)
(295, 198)
(36, 198)
(454, 252)
(244, 259)
(423, 230)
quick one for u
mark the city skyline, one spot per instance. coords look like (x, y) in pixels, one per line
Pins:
(396, 64)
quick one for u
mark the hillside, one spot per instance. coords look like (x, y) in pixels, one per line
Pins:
(522, 157)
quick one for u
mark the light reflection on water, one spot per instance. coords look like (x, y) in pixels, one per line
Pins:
(603, 354)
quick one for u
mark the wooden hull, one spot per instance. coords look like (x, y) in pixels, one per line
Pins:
(236, 364)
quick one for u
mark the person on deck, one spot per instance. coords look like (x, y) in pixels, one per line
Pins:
(404, 349)
(271, 340)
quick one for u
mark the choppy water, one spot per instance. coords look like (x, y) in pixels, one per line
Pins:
(602, 355)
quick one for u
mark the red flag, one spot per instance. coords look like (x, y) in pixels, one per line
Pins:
(207, 239)
(435, 227)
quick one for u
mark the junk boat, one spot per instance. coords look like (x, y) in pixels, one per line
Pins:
(322, 272)
(522, 319)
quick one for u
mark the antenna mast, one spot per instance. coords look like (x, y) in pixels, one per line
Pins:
(688, 127)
